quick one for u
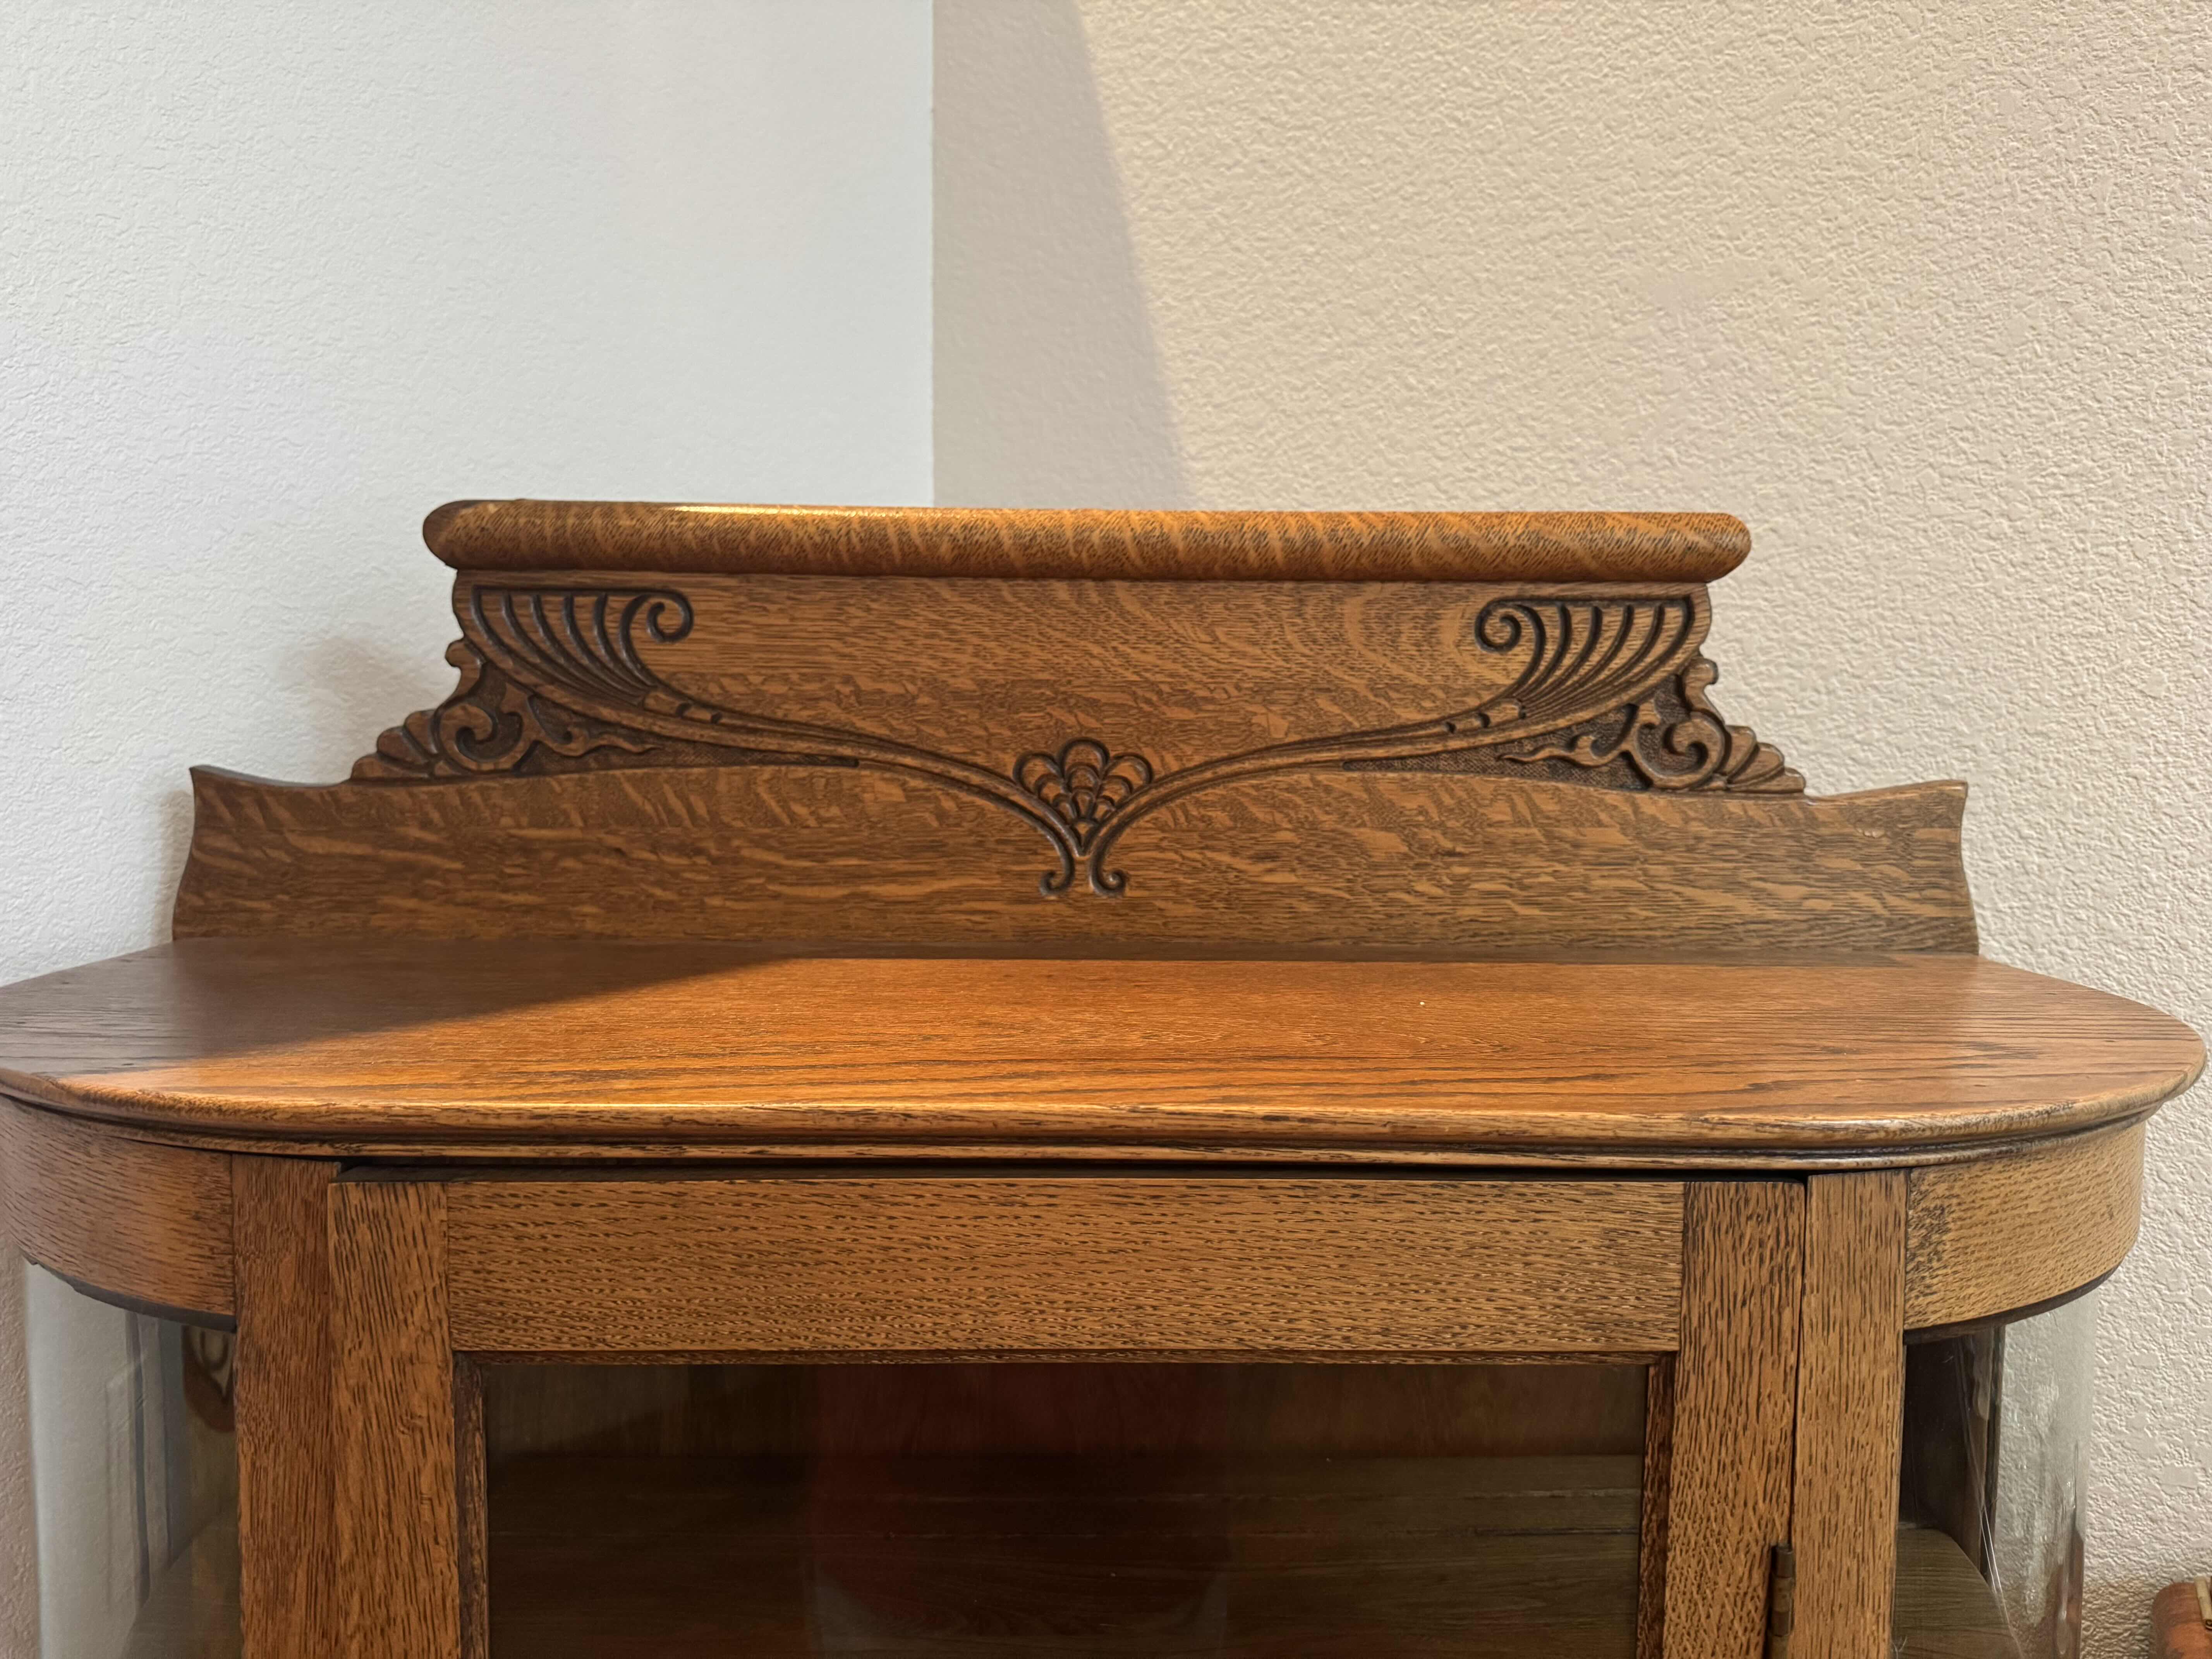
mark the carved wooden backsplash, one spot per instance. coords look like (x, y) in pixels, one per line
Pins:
(1295, 763)
(1081, 708)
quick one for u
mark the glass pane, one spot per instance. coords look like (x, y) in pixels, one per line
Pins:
(946, 1512)
(1997, 1422)
(137, 1476)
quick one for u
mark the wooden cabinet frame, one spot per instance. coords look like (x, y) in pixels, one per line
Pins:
(1772, 1311)
(1231, 936)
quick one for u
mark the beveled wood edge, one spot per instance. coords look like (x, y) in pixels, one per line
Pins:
(138, 1224)
(499, 1155)
(1085, 544)
(2023, 1230)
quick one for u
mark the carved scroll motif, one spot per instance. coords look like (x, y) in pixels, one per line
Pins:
(524, 656)
(1689, 747)
(488, 724)
(554, 678)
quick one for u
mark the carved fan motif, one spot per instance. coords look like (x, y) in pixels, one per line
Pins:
(1084, 785)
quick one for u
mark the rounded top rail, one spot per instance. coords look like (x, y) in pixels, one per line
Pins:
(1087, 544)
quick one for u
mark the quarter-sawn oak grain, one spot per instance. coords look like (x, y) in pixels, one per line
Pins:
(289, 1437)
(145, 1222)
(1415, 863)
(2004, 1233)
(398, 1481)
(1086, 543)
(1851, 1407)
(824, 671)
(437, 1047)
(1073, 1264)
(1652, 1522)
(1735, 1396)
(473, 1505)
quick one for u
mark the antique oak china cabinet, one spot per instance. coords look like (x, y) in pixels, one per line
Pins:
(955, 1083)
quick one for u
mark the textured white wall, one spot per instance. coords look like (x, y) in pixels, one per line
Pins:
(1920, 292)
(275, 279)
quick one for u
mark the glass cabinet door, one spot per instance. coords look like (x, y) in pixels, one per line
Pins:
(956, 1510)
(1988, 1548)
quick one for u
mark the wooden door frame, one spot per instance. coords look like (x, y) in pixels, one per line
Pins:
(363, 1507)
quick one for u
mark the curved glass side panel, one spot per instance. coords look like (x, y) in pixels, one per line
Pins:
(1996, 1425)
(136, 1472)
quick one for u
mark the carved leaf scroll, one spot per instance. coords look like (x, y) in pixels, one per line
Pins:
(1691, 748)
(1612, 693)
(525, 656)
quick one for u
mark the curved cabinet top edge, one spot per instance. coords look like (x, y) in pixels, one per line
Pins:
(583, 1049)
(357, 1140)
(1086, 543)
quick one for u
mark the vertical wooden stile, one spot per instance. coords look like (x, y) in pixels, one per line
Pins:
(1850, 1414)
(1658, 1467)
(471, 1476)
(287, 1433)
(399, 1534)
(1735, 1407)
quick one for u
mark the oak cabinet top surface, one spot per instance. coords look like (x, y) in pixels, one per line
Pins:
(455, 1048)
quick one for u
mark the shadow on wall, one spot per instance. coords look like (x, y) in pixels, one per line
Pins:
(1049, 391)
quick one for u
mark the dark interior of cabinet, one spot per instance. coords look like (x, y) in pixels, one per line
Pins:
(1953, 1403)
(951, 1511)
